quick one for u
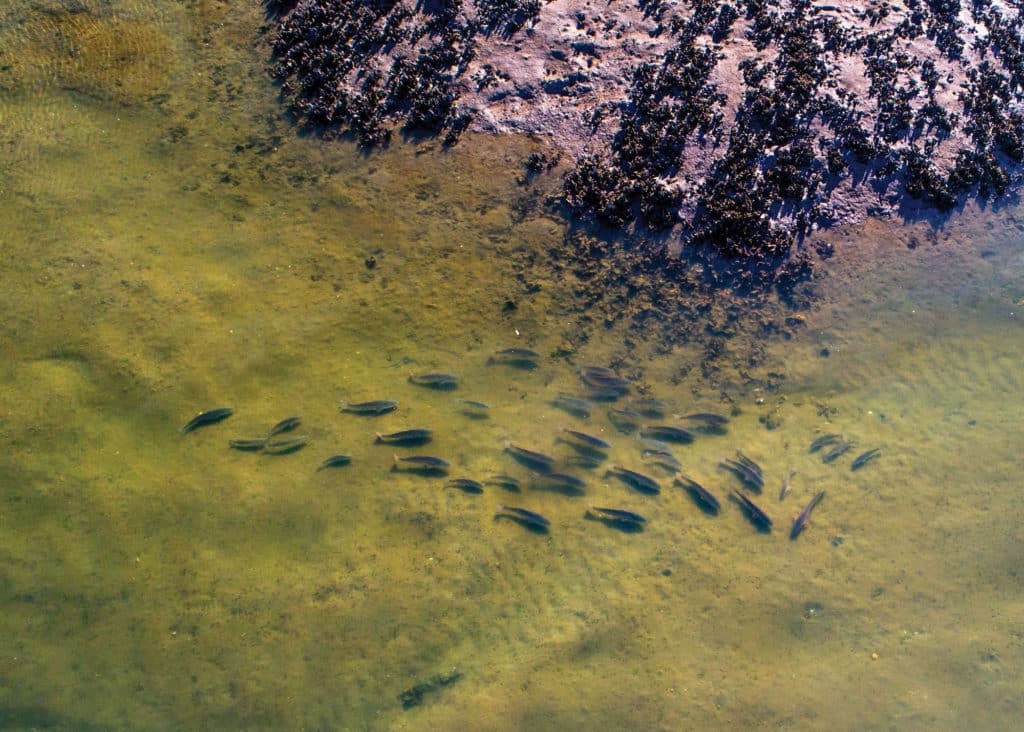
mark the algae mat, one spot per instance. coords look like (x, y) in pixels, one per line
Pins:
(171, 245)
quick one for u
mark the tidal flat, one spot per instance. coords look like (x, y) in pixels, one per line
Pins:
(172, 244)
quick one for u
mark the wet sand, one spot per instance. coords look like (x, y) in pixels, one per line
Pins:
(152, 269)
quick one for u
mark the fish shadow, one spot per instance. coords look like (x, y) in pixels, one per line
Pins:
(562, 490)
(408, 442)
(442, 386)
(710, 430)
(535, 465)
(705, 508)
(423, 472)
(634, 486)
(761, 527)
(578, 413)
(521, 365)
(593, 453)
(469, 414)
(466, 489)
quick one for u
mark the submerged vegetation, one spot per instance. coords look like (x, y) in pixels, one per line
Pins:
(745, 127)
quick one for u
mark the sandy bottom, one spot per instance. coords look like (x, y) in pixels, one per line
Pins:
(171, 247)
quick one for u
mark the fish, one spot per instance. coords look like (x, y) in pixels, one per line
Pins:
(800, 523)
(753, 512)
(864, 458)
(285, 447)
(375, 407)
(573, 405)
(747, 476)
(202, 419)
(598, 371)
(639, 481)
(749, 464)
(648, 444)
(468, 485)
(530, 457)
(507, 482)
(561, 482)
(441, 381)
(662, 460)
(406, 437)
(422, 463)
(247, 445)
(708, 418)
(603, 393)
(524, 516)
(473, 408)
(334, 461)
(649, 407)
(617, 515)
(582, 439)
(785, 484)
(611, 381)
(285, 425)
(838, 449)
(667, 432)
(625, 420)
(522, 358)
(702, 495)
(823, 441)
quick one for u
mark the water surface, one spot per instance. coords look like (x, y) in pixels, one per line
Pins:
(172, 244)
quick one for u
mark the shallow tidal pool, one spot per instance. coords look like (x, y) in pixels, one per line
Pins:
(170, 243)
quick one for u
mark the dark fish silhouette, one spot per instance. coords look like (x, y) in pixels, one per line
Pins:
(441, 381)
(649, 407)
(522, 358)
(823, 441)
(573, 405)
(285, 425)
(700, 494)
(582, 439)
(204, 418)
(560, 482)
(618, 515)
(838, 449)
(753, 512)
(473, 407)
(406, 437)
(247, 445)
(864, 458)
(507, 482)
(423, 463)
(285, 447)
(625, 420)
(530, 457)
(525, 516)
(667, 432)
(334, 461)
(639, 481)
(708, 418)
(801, 521)
(745, 473)
(468, 485)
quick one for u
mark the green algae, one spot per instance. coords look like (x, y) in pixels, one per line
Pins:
(160, 582)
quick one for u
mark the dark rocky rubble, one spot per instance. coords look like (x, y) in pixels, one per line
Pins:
(758, 123)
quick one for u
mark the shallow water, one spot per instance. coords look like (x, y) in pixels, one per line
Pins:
(170, 244)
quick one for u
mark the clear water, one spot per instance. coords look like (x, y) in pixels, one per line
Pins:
(170, 244)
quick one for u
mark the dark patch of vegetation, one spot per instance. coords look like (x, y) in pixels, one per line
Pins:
(766, 175)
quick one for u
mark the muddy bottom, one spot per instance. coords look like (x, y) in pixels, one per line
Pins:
(173, 246)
